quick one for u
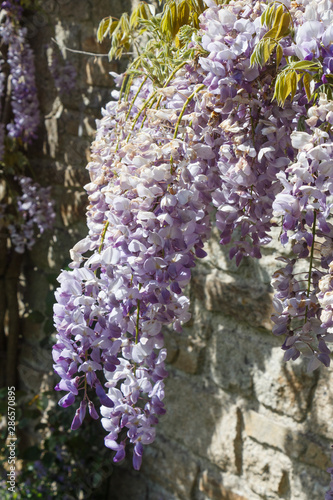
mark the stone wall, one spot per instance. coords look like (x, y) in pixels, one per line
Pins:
(241, 424)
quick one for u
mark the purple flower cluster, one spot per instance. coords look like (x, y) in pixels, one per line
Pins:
(148, 218)
(302, 298)
(212, 136)
(63, 73)
(255, 131)
(29, 205)
(24, 99)
(35, 208)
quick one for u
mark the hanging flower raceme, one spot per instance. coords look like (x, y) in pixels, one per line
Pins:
(213, 134)
(302, 298)
(62, 71)
(20, 58)
(26, 206)
(35, 211)
(148, 217)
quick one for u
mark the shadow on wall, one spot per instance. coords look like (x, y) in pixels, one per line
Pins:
(241, 424)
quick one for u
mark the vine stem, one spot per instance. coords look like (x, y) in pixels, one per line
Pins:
(186, 103)
(311, 260)
(135, 97)
(137, 318)
(168, 80)
(139, 113)
(137, 322)
(103, 236)
(137, 325)
(135, 64)
(102, 241)
(170, 77)
(149, 107)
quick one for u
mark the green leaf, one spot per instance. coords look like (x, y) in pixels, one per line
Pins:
(286, 84)
(268, 49)
(311, 65)
(262, 51)
(301, 125)
(183, 13)
(124, 22)
(271, 16)
(307, 78)
(103, 28)
(175, 24)
(283, 29)
(293, 81)
(325, 89)
(146, 11)
(278, 15)
(113, 27)
(166, 22)
(134, 18)
(279, 54)
(271, 33)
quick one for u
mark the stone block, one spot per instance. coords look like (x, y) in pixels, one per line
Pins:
(33, 379)
(192, 341)
(36, 359)
(308, 483)
(320, 415)
(158, 493)
(267, 471)
(77, 151)
(178, 465)
(234, 353)
(249, 362)
(246, 300)
(95, 98)
(203, 418)
(114, 8)
(97, 71)
(188, 357)
(213, 488)
(295, 444)
(265, 430)
(70, 10)
(316, 455)
(127, 484)
(284, 387)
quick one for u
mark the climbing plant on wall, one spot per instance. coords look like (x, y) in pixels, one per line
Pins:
(227, 110)
(26, 209)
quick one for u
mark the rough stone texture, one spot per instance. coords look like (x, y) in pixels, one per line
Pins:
(180, 470)
(241, 424)
(284, 387)
(212, 487)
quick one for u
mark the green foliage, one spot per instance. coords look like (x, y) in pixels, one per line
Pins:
(278, 23)
(15, 160)
(65, 464)
(160, 39)
(287, 80)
